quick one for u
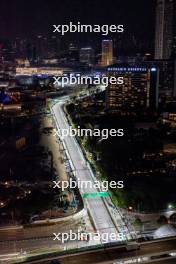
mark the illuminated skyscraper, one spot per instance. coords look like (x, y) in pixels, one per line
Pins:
(164, 31)
(137, 93)
(174, 32)
(86, 55)
(174, 47)
(107, 53)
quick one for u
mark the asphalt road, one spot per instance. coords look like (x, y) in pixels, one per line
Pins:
(97, 208)
(114, 254)
(164, 261)
(39, 238)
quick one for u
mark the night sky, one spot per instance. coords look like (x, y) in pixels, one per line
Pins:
(29, 18)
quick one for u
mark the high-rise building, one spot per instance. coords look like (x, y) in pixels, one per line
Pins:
(138, 92)
(164, 30)
(174, 93)
(73, 52)
(53, 47)
(107, 53)
(166, 79)
(174, 31)
(86, 55)
(174, 47)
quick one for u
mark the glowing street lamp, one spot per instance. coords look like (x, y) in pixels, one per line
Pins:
(170, 206)
(130, 208)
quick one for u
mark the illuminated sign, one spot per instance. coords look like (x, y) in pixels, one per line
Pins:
(96, 194)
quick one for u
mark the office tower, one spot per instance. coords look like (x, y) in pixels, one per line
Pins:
(174, 92)
(166, 79)
(73, 53)
(42, 47)
(107, 53)
(174, 47)
(86, 56)
(19, 46)
(164, 29)
(174, 31)
(138, 92)
(53, 47)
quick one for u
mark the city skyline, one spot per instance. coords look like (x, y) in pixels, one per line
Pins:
(87, 131)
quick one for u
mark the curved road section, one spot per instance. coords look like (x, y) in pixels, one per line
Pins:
(97, 207)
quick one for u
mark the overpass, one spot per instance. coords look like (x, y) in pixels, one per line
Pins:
(149, 251)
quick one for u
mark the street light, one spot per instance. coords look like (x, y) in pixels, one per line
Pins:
(170, 206)
(130, 208)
